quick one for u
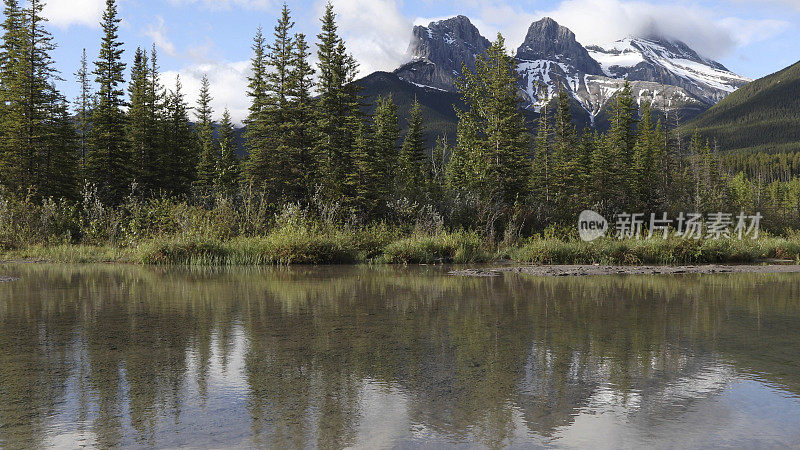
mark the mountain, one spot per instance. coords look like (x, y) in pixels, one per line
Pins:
(667, 62)
(668, 74)
(438, 51)
(762, 116)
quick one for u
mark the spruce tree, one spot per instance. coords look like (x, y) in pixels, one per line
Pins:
(38, 150)
(304, 166)
(83, 109)
(412, 174)
(492, 132)
(364, 177)
(279, 152)
(11, 111)
(108, 160)
(181, 150)
(621, 140)
(338, 111)
(258, 166)
(138, 124)
(565, 180)
(646, 164)
(227, 178)
(207, 164)
(386, 125)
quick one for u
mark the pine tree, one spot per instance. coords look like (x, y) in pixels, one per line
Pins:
(108, 160)
(646, 164)
(386, 125)
(138, 124)
(412, 174)
(228, 164)
(365, 176)
(492, 132)
(11, 112)
(258, 168)
(181, 150)
(38, 153)
(621, 140)
(156, 168)
(83, 109)
(207, 165)
(542, 169)
(338, 111)
(279, 154)
(301, 122)
(565, 180)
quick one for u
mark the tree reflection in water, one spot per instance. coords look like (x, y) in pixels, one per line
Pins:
(335, 357)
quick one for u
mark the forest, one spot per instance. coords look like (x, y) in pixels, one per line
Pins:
(131, 171)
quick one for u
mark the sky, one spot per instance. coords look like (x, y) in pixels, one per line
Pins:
(193, 37)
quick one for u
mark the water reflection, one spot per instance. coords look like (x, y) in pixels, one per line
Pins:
(370, 357)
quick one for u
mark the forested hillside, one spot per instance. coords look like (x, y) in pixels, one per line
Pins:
(762, 116)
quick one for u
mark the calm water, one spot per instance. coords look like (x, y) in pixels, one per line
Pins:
(391, 357)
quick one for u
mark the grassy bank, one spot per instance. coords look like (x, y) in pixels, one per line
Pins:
(285, 247)
(657, 251)
(279, 248)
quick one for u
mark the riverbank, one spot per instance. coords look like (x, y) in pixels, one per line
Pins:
(384, 246)
(598, 270)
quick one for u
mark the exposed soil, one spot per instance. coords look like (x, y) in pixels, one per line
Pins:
(588, 271)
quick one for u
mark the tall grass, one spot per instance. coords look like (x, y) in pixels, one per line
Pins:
(655, 251)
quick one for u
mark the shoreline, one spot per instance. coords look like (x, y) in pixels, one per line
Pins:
(554, 271)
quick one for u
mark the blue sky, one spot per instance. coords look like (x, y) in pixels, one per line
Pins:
(214, 36)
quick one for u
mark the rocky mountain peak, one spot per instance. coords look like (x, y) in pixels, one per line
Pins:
(438, 50)
(547, 40)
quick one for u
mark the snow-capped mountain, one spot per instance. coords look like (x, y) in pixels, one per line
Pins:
(667, 62)
(666, 73)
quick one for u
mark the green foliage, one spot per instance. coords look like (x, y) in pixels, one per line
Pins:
(108, 162)
(761, 116)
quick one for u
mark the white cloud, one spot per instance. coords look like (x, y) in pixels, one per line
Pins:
(600, 21)
(64, 13)
(375, 31)
(228, 86)
(158, 33)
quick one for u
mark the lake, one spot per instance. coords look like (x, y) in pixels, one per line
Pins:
(375, 357)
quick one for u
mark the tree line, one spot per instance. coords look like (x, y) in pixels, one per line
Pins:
(309, 142)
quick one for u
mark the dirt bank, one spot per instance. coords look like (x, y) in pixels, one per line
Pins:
(588, 271)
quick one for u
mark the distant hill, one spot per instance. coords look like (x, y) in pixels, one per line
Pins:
(761, 116)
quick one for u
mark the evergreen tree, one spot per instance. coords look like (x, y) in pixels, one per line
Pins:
(621, 140)
(412, 174)
(108, 161)
(646, 164)
(181, 150)
(156, 168)
(138, 123)
(387, 135)
(279, 154)
(207, 165)
(83, 109)
(338, 111)
(542, 168)
(492, 133)
(11, 112)
(565, 180)
(301, 121)
(38, 150)
(227, 164)
(365, 176)
(258, 168)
